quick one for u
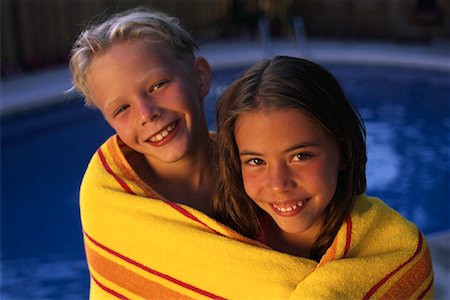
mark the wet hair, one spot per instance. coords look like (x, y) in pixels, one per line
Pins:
(289, 83)
(139, 24)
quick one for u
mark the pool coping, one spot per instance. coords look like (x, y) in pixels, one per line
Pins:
(53, 85)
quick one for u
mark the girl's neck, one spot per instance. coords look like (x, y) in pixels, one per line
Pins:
(298, 244)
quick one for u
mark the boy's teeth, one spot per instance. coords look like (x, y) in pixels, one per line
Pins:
(162, 134)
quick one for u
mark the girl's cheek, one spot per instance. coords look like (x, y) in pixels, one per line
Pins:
(251, 182)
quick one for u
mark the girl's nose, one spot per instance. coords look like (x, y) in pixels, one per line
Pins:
(281, 179)
(147, 111)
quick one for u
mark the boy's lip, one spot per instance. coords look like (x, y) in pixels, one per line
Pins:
(165, 135)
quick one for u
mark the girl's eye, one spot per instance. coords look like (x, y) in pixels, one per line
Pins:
(301, 156)
(121, 109)
(254, 162)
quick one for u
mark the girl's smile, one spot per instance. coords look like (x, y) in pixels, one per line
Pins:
(289, 210)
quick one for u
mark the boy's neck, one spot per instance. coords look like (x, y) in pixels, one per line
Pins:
(188, 181)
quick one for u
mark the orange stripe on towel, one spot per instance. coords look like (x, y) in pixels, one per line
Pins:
(127, 279)
(372, 291)
(403, 289)
(332, 252)
(152, 271)
(149, 192)
(108, 169)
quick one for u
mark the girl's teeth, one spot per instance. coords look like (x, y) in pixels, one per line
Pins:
(290, 208)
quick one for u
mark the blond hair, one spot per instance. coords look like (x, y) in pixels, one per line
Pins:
(140, 24)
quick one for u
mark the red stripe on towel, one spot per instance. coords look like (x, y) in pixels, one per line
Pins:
(186, 213)
(110, 171)
(422, 295)
(124, 185)
(386, 278)
(419, 273)
(108, 290)
(151, 271)
(129, 280)
(348, 240)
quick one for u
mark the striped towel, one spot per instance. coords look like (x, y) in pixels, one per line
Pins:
(140, 246)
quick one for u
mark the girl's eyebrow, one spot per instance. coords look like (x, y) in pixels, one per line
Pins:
(302, 145)
(290, 149)
(247, 152)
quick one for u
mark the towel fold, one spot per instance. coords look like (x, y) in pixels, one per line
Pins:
(139, 246)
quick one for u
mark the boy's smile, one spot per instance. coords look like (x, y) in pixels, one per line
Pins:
(151, 97)
(165, 135)
(289, 167)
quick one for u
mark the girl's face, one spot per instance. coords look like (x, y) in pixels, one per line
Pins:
(289, 166)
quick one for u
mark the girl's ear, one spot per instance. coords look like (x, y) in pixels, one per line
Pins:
(203, 75)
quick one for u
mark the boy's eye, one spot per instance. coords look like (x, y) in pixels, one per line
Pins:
(121, 109)
(254, 162)
(301, 156)
(157, 86)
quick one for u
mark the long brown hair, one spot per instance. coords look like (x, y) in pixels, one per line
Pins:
(280, 83)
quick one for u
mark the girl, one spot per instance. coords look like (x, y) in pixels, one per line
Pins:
(292, 159)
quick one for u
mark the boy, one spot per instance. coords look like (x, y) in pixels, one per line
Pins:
(152, 96)
(138, 68)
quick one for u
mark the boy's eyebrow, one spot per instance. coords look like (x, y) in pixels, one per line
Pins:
(149, 75)
(295, 147)
(110, 102)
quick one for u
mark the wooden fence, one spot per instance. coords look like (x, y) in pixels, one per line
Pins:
(39, 33)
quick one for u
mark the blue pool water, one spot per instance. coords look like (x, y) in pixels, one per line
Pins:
(44, 153)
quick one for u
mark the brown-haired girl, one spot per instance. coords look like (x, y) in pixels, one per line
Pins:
(292, 159)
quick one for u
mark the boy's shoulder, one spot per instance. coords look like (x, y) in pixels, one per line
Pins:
(109, 158)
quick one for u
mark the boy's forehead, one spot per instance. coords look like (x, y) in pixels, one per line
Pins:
(136, 52)
(169, 48)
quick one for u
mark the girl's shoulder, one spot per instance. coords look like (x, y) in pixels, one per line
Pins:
(374, 225)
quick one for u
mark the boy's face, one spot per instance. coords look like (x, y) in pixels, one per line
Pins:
(152, 99)
(289, 167)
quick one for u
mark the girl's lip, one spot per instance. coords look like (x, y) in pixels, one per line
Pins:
(165, 135)
(290, 209)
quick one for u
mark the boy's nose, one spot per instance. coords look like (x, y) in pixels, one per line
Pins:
(147, 112)
(280, 179)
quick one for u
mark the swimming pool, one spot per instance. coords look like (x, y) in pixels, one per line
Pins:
(44, 153)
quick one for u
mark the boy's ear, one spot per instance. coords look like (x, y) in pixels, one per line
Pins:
(203, 75)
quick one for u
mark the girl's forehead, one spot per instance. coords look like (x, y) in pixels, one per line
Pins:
(275, 119)
(270, 122)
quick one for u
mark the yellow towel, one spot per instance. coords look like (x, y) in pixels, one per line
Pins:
(139, 247)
